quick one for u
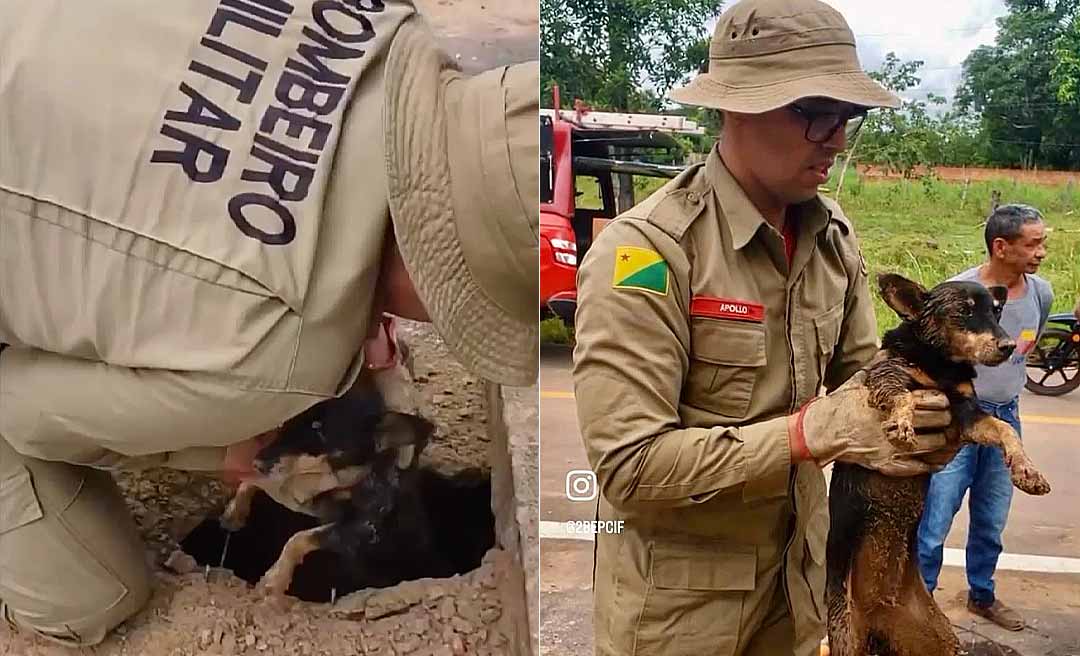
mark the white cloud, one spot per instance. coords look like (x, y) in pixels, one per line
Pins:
(940, 32)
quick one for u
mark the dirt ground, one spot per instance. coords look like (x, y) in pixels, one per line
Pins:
(962, 174)
(192, 615)
(480, 34)
(491, 20)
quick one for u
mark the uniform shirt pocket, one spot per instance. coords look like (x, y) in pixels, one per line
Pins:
(725, 359)
(18, 504)
(695, 599)
(827, 330)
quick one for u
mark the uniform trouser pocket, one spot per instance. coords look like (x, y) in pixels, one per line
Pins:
(72, 565)
(694, 601)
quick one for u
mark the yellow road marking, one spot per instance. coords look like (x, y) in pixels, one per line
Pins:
(556, 395)
(1031, 419)
(1049, 419)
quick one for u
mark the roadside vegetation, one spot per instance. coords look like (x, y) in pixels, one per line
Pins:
(926, 229)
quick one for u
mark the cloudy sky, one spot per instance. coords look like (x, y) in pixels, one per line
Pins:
(939, 32)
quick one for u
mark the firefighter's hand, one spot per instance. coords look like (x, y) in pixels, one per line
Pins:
(292, 482)
(240, 457)
(843, 426)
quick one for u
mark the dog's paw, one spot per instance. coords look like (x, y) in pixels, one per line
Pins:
(900, 432)
(276, 581)
(1028, 479)
(235, 517)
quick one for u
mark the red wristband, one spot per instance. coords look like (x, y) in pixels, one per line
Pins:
(798, 438)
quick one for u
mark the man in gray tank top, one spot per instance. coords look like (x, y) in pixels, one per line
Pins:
(1015, 243)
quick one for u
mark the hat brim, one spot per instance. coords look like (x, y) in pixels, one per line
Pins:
(483, 336)
(855, 87)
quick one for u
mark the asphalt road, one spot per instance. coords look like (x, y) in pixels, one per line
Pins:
(1038, 527)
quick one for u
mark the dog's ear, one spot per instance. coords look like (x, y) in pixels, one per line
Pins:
(408, 434)
(905, 297)
(1000, 295)
(398, 429)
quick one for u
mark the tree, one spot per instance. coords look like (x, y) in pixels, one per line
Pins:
(1011, 86)
(910, 136)
(919, 133)
(1066, 73)
(621, 55)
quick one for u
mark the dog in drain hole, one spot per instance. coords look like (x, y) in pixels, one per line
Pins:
(877, 601)
(353, 463)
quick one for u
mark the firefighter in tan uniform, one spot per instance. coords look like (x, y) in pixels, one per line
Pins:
(204, 208)
(710, 314)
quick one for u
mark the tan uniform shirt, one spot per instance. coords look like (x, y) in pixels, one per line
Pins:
(192, 211)
(694, 341)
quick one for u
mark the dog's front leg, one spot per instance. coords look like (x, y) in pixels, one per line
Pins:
(994, 432)
(889, 393)
(899, 424)
(278, 578)
(236, 513)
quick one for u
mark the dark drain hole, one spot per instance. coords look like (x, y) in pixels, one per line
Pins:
(458, 522)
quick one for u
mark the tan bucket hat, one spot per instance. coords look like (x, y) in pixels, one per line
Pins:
(766, 54)
(464, 195)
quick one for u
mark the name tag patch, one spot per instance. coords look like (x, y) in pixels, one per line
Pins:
(727, 308)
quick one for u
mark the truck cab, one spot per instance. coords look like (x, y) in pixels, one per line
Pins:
(579, 148)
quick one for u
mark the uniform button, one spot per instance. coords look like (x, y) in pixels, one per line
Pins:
(692, 197)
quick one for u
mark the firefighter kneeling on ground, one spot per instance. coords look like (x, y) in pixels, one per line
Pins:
(204, 210)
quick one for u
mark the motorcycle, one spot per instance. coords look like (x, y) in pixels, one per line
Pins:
(1053, 365)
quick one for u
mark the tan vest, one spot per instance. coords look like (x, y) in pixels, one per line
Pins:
(193, 190)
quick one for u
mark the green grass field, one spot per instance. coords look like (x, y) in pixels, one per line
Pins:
(929, 230)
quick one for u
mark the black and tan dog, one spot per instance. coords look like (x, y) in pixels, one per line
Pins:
(877, 601)
(364, 481)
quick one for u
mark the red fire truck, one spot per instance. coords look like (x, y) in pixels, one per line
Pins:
(609, 148)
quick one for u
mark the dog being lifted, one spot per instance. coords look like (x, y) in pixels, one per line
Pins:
(353, 463)
(877, 600)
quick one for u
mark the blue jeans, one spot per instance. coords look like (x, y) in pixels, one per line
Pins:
(982, 470)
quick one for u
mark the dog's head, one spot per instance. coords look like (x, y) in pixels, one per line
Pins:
(958, 319)
(346, 436)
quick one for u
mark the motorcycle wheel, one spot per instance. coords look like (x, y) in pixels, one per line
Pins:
(1055, 382)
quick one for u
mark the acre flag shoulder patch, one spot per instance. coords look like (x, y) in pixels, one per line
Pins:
(640, 268)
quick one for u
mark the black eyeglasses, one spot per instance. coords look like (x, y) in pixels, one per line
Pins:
(821, 126)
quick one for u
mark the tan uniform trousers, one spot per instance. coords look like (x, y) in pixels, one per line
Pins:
(72, 565)
(776, 632)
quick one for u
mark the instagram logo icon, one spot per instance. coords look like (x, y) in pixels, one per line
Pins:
(581, 485)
